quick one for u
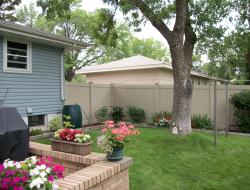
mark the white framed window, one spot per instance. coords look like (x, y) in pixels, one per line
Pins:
(16, 56)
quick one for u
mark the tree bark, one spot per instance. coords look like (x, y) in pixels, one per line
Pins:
(181, 54)
(182, 94)
(69, 74)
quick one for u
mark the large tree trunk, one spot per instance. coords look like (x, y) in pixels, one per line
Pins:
(182, 97)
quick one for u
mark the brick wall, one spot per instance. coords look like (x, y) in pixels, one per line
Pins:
(89, 172)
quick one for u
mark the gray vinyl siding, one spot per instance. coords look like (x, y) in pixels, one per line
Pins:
(40, 90)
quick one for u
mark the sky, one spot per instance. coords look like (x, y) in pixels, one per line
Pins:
(148, 31)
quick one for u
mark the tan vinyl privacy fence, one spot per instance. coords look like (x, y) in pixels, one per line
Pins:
(152, 98)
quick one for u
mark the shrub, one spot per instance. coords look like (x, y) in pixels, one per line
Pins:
(136, 114)
(164, 123)
(117, 113)
(241, 101)
(160, 115)
(102, 114)
(35, 132)
(55, 124)
(202, 122)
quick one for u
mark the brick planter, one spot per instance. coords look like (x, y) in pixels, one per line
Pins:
(71, 147)
(88, 172)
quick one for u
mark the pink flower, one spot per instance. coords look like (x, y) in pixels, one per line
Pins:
(51, 178)
(58, 169)
(17, 179)
(131, 126)
(18, 188)
(1, 168)
(110, 124)
(114, 131)
(104, 130)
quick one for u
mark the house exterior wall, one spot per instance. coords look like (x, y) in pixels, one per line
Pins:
(142, 76)
(40, 90)
(146, 76)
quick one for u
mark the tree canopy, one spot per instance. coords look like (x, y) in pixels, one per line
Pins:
(105, 40)
(7, 9)
(193, 21)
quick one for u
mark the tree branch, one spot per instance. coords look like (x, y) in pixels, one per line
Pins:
(157, 22)
(190, 40)
(181, 14)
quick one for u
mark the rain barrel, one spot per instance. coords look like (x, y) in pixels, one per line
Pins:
(74, 111)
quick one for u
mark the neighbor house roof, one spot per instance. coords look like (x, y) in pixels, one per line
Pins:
(132, 63)
(10, 29)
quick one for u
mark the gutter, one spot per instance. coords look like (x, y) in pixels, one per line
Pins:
(62, 77)
(18, 29)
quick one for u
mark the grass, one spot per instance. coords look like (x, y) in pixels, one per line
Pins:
(163, 161)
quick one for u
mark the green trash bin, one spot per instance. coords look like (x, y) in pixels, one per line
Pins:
(74, 111)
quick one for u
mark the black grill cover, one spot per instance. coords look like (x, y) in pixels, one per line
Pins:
(14, 135)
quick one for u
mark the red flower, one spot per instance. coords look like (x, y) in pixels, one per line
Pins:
(69, 134)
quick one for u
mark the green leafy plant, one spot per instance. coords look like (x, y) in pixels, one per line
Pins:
(55, 124)
(136, 114)
(202, 122)
(35, 132)
(160, 115)
(102, 114)
(241, 101)
(117, 113)
(67, 121)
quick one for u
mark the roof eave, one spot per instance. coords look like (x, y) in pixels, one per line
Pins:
(164, 66)
(66, 43)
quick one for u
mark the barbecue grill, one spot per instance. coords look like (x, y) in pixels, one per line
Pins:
(14, 135)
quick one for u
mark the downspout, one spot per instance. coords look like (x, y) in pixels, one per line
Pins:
(62, 77)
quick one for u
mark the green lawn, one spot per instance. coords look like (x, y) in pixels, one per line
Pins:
(163, 161)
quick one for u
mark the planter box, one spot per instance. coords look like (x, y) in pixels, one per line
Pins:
(71, 147)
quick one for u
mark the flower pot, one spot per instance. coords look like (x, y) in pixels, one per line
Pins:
(71, 147)
(116, 155)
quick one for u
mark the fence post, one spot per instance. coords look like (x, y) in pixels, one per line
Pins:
(156, 89)
(90, 101)
(211, 102)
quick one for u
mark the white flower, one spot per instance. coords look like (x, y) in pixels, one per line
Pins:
(10, 163)
(5, 164)
(43, 174)
(33, 159)
(18, 165)
(55, 186)
(29, 164)
(34, 172)
(87, 136)
(37, 182)
(48, 170)
(41, 167)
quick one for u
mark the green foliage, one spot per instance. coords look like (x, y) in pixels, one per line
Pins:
(102, 114)
(117, 113)
(241, 102)
(35, 132)
(55, 124)
(7, 9)
(160, 115)
(127, 45)
(202, 122)
(79, 78)
(67, 121)
(136, 114)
